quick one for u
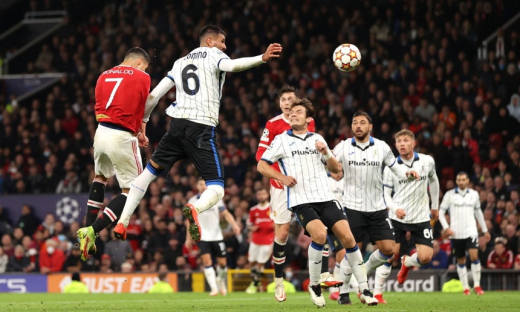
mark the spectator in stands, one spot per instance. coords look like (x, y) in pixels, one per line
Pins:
(500, 257)
(484, 249)
(73, 263)
(28, 221)
(48, 223)
(19, 262)
(7, 244)
(5, 224)
(514, 107)
(117, 250)
(3, 261)
(51, 258)
(70, 184)
(106, 264)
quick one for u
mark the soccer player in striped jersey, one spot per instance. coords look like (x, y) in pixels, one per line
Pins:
(409, 208)
(363, 159)
(198, 77)
(121, 108)
(212, 242)
(303, 157)
(463, 205)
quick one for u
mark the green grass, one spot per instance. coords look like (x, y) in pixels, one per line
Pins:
(491, 301)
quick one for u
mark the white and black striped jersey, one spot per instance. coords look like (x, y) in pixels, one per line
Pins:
(337, 188)
(298, 157)
(199, 84)
(411, 195)
(363, 165)
(463, 207)
(210, 221)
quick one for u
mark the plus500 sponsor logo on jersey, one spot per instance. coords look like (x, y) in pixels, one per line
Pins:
(364, 163)
(23, 283)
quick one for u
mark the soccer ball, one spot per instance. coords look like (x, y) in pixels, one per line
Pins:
(67, 210)
(346, 57)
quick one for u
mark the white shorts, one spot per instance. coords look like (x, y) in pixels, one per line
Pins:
(279, 212)
(117, 152)
(260, 253)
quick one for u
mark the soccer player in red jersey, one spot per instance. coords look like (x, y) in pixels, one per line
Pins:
(261, 245)
(121, 94)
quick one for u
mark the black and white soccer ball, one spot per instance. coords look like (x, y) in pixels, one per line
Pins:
(67, 210)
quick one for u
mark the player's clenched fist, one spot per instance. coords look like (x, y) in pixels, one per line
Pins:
(273, 50)
(322, 147)
(289, 181)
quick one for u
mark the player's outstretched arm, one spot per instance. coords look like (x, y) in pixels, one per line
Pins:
(244, 63)
(153, 98)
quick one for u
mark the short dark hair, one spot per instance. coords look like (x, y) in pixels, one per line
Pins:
(463, 173)
(139, 53)
(76, 277)
(361, 113)
(162, 275)
(210, 30)
(309, 108)
(287, 89)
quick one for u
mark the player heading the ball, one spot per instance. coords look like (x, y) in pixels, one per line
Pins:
(198, 77)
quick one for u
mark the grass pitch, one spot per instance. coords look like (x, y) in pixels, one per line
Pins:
(430, 302)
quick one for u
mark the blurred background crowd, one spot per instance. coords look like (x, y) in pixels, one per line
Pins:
(419, 71)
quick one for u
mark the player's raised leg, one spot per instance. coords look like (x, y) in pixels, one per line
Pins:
(422, 257)
(169, 150)
(200, 144)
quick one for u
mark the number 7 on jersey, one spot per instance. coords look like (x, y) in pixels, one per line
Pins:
(113, 93)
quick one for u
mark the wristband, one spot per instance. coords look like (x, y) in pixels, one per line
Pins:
(327, 157)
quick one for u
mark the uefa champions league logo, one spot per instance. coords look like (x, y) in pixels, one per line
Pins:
(67, 210)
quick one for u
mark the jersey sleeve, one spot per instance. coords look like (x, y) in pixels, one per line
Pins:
(446, 201)
(251, 219)
(388, 178)
(267, 137)
(338, 151)
(433, 170)
(274, 152)
(216, 56)
(388, 158)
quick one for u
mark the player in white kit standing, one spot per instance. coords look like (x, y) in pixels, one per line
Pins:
(409, 208)
(363, 159)
(212, 242)
(463, 205)
(303, 157)
(198, 77)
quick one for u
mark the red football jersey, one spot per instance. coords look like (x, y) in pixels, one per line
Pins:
(121, 94)
(259, 216)
(274, 127)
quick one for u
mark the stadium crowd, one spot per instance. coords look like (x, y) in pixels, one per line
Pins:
(419, 71)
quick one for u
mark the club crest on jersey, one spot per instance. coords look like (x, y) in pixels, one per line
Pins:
(265, 134)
